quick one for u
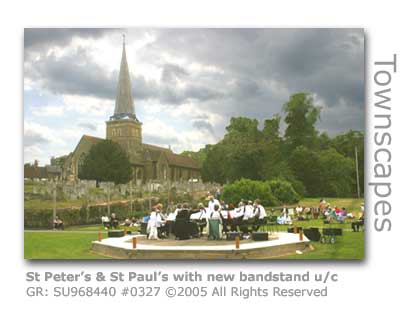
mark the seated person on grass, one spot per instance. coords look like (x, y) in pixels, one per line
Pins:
(284, 219)
(105, 222)
(331, 215)
(360, 222)
(342, 215)
(58, 224)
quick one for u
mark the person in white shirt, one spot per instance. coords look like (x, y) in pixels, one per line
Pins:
(202, 219)
(259, 214)
(155, 222)
(170, 220)
(250, 209)
(298, 210)
(172, 215)
(239, 211)
(259, 210)
(212, 203)
(248, 212)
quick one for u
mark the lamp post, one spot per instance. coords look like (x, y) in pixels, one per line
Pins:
(54, 200)
(357, 173)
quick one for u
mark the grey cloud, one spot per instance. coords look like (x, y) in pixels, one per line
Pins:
(160, 140)
(172, 72)
(78, 74)
(203, 125)
(249, 63)
(34, 138)
(88, 125)
(72, 74)
(37, 38)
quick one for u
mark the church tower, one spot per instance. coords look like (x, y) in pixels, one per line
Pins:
(123, 127)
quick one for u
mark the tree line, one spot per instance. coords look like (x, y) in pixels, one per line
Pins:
(314, 163)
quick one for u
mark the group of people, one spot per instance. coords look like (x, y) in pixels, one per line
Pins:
(215, 218)
(110, 222)
(328, 212)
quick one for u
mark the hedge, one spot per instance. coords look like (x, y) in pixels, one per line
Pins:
(283, 191)
(91, 214)
(248, 190)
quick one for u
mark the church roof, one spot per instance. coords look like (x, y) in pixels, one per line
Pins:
(91, 138)
(124, 105)
(181, 161)
(155, 152)
(172, 158)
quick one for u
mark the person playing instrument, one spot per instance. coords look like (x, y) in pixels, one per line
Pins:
(202, 218)
(212, 203)
(259, 214)
(155, 222)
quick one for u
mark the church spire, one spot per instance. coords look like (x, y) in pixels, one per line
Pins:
(124, 105)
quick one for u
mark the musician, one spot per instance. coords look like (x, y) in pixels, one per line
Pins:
(212, 202)
(184, 229)
(239, 214)
(215, 219)
(248, 217)
(250, 206)
(155, 222)
(170, 221)
(223, 205)
(259, 214)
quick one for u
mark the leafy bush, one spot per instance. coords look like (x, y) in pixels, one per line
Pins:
(249, 190)
(283, 191)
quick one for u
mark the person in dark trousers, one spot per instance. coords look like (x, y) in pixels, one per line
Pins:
(58, 223)
(356, 224)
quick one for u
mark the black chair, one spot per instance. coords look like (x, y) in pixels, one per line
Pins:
(312, 234)
(329, 234)
(144, 227)
(272, 221)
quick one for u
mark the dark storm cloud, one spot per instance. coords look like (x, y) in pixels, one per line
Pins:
(251, 72)
(38, 38)
(325, 62)
(72, 74)
(76, 73)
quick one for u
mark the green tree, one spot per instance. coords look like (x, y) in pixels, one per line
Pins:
(345, 144)
(106, 161)
(242, 149)
(337, 174)
(301, 117)
(283, 191)
(213, 167)
(58, 161)
(306, 166)
(249, 190)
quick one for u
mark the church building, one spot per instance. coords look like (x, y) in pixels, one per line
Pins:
(150, 163)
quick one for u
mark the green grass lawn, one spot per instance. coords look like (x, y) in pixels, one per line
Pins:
(63, 245)
(59, 245)
(77, 243)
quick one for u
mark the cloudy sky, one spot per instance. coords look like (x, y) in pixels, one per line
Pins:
(187, 83)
